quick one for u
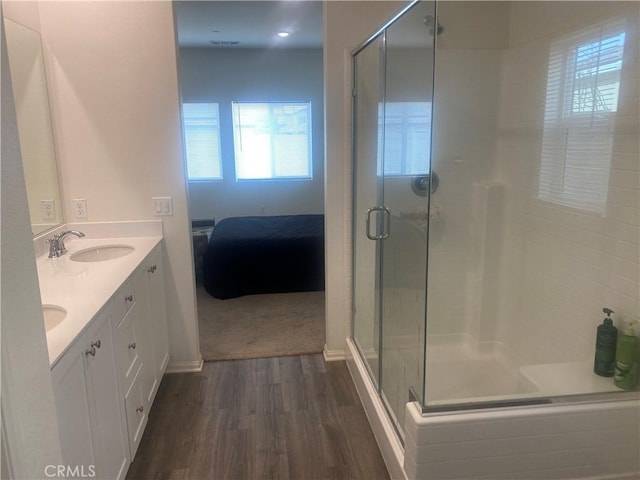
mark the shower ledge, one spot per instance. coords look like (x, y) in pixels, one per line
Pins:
(568, 378)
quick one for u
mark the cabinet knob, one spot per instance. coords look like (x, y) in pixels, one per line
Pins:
(129, 298)
(132, 345)
(140, 409)
(152, 269)
(90, 351)
(96, 344)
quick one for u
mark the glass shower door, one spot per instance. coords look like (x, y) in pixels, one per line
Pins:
(408, 87)
(393, 84)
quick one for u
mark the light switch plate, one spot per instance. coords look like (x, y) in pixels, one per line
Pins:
(162, 206)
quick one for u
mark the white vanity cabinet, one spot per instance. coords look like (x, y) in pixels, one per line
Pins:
(142, 350)
(106, 381)
(90, 416)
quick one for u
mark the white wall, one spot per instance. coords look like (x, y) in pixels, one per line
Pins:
(505, 265)
(28, 410)
(115, 104)
(224, 75)
(564, 264)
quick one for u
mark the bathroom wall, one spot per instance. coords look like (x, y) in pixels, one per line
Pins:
(29, 423)
(504, 264)
(225, 75)
(115, 103)
(563, 264)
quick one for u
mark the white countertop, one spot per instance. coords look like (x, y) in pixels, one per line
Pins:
(83, 288)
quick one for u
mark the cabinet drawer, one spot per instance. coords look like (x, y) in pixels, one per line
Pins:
(123, 300)
(127, 349)
(136, 412)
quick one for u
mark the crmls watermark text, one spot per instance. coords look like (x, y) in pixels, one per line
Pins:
(70, 471)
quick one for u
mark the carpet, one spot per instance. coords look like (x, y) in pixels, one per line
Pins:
(260, 326)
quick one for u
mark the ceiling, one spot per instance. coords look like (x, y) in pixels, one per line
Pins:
(252, 24)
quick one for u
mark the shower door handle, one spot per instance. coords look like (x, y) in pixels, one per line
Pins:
(386, 223)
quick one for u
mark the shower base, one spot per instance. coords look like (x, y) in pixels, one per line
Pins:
(460, 369)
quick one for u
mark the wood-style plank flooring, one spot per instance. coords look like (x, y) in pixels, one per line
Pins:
(292, 418)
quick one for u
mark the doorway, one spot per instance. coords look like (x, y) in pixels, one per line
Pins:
(252, 98)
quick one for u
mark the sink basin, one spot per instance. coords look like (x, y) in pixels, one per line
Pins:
(101, 253)
(53, 316)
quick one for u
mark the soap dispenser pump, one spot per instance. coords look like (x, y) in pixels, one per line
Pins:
(626, 368)
(606, 340)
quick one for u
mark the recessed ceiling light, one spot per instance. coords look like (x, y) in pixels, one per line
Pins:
(283, 34)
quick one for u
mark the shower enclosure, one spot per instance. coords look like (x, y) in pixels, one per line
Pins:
(495, 200)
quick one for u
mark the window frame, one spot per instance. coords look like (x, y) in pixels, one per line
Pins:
(216, 129)
(563, 167)
(273, 163)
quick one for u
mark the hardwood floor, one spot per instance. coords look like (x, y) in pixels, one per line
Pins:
(292, 418)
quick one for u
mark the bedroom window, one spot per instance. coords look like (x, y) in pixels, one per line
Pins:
(202, 140)
(272, 140)
(583, 83)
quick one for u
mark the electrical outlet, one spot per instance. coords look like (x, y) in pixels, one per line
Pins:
(162, 206)
(80, 208)
(48, 209)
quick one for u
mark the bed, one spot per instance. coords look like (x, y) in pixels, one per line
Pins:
(265, 254)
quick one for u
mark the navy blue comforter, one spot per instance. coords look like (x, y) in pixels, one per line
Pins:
(265, 254)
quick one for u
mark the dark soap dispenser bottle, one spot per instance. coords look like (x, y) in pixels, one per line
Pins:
(606, 339)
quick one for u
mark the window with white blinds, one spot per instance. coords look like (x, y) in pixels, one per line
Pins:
(202, 139)
(272, 140)
(407, 137)
(583, 83)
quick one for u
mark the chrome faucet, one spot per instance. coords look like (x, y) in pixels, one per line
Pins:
(56, 243)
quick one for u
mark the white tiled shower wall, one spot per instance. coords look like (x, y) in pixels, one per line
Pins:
(562, 264)
(466, 103)
(542, 290)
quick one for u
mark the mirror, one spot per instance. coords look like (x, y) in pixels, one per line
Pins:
(34, 126)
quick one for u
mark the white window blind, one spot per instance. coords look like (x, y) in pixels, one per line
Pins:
(272, 140)
(202, 138)
(583, 83)
(407, 137)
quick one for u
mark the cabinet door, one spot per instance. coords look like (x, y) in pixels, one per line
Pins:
(158, 311)
(108, 422)
(148, 379)
(136, 412)
(72, 407)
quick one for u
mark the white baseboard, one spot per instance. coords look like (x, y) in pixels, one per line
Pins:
(333, 355)
(185, 367)
(384, 432)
